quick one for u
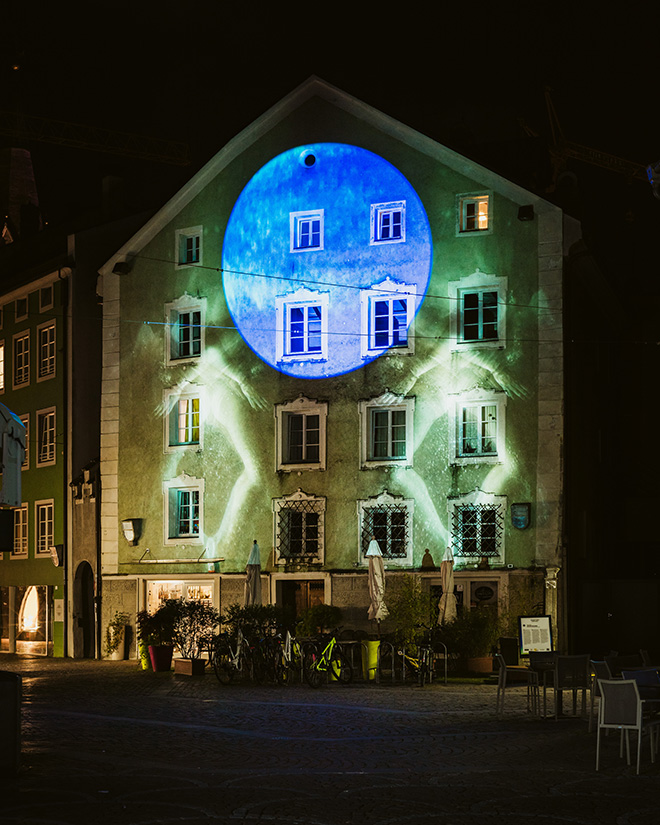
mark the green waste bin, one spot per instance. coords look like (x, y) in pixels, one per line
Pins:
(10, 721)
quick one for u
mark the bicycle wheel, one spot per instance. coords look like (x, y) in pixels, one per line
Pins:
(340, 667)
(311, 673)
(223, 667)
(282, 673)
(257, 666)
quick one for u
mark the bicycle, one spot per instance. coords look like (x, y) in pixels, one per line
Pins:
(421, 665)
(289, 657)
(227, 662)
(331, 660)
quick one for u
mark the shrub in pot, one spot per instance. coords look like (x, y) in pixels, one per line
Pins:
(156, 635)
(115, 635)
(472, 636)
(321, 618)
(194, 624)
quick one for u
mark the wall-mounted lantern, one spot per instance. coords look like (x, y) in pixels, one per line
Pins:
(132, 529)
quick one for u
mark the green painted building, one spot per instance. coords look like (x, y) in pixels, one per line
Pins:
(337, 330)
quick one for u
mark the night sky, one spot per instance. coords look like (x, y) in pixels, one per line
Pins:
(199, 72)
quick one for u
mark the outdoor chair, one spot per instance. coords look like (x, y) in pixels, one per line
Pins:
(619, 663)
(601, 670)
(572, 673)
(524, 677)
(542, 662)
(622, 709)
(648, 685)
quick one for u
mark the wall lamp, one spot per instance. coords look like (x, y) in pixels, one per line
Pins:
(132, 529)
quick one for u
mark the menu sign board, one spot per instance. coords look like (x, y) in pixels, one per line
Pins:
(535, 634)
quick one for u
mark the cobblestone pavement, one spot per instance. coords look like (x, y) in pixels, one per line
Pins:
(108, 744)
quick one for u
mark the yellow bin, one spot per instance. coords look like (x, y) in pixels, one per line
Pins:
(370, 659)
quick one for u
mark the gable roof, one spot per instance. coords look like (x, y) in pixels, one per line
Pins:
(315, 87)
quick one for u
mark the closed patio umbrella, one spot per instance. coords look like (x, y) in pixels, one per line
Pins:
(447, 603)
(377, 609)
(253, 577)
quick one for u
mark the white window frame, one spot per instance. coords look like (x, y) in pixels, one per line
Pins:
(388, 291)
(181, 238)
(477, 399)
(378, 211)
(385, 501)
(390, 403)
(49, 358)
(23, 335)
(296, 220)
(294, 502)
(304, 407)
(3, 366)
(51, 413)
(171, 488)
(44, 540)
(45, 305)
(172, 400)
(477, 282)
(184, 305)
(25, 419)
(19, 315)
(21, 533)
(463, 202)
(301, 299)
(478, 497)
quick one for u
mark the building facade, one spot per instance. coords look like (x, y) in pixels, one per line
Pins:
(339, 329)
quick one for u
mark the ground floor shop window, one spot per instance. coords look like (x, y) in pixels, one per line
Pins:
(159, 591)
(25, 620)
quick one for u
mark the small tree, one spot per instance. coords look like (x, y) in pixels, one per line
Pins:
(157, 628)
(115, 632)
(254, 620)
(319, 618)
(194, 624)
(410, 609)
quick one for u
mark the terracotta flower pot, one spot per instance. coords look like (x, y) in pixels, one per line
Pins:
(161, 657)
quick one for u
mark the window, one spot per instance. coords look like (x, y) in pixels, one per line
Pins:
(46, 353)
(477, 525)
(389, 520)
(188, 246)
(387, 312)
(22, 359)
(479, 317)
(2, 366)
(44, 514)
(21, 309)
(300, 435)
(387, 431)
(184, 500)
(299, 528)
(302, 326)
(25, 419)
(20, 547)
(45, 437)
(388, 222)
(306, 230)
(182, 420)
(473, 214)
(477, 427)
(46, 298)
(185, 329)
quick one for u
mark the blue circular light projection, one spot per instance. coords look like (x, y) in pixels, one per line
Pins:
(326, 260)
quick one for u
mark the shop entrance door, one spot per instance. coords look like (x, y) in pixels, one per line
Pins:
(296, 595)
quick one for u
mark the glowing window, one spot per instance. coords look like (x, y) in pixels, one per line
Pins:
(187, 421)
(301, 434)
(303, 320)
(388, 222)
(306, 230)
(46, 353)
(477, 422)
(183, 500)
(20, 547)
(299, 528)
(44, 515)
(473, 213)
(184, 329)
(189, 246)
(389, 520)
(45, 437)
(387, 431)
(22, 359)
(2, 366)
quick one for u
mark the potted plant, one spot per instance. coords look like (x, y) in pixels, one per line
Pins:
(472, 636)
(194, 624)
(321, 618)
(115, 636)
(156, 634)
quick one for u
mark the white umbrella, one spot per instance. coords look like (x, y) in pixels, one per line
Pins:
(377, 607)
(253, 577)
(447, 603)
